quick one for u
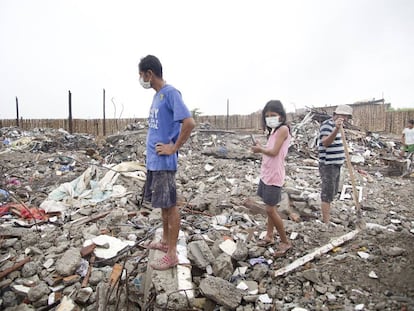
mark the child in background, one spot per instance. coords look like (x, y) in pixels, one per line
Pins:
(272, 172)
(407, 139)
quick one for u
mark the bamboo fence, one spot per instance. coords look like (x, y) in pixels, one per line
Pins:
(367, 117)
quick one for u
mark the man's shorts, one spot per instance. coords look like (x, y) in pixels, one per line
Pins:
(271, 195)
(330, 175)
(161, 189)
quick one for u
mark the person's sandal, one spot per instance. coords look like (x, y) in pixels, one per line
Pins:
(282, 249)
(265, 243)
(164, 263)
(159, 246)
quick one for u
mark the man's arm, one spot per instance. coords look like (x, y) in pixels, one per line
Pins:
(167, 149)
(186, 129)
(328, 140)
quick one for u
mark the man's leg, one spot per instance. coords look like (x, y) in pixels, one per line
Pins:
(326, 212)
(329, 182)
(164, 216)
(173, 228)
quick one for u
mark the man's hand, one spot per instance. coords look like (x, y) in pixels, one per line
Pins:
(164, 149)
(339, 122)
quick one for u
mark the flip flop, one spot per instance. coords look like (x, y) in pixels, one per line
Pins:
(265, 243)
(164, 263)
(282, 249)
(159, 246)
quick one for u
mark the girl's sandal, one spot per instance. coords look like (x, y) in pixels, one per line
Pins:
(282, 249)
(265, 243)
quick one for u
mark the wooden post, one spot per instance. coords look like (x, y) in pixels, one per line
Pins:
(227, 119)
(17, 112)
(104, 119)
(70, 113)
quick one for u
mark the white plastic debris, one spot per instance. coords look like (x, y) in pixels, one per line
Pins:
(114, 246)
(48, 263)
(242, 286)
(208, 167)
(240, 271)
(293, 235)
(265, 298)
(209, 270)
(363, 255)
(373, 275)
(359, 307)
(21, 289)
(220, 220)
(228, 246)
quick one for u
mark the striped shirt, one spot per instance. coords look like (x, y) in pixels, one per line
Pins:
(334, 153)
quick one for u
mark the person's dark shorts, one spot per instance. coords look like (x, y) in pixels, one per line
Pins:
(330, 175)
(161, 189)
(271, 195)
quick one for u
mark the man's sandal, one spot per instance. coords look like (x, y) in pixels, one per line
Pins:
(159, 246)
(164, 263)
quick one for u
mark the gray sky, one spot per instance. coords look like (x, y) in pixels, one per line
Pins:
(306, 53)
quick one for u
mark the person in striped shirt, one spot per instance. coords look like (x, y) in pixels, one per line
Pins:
(331, 157)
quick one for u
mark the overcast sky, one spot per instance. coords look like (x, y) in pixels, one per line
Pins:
(306, 53)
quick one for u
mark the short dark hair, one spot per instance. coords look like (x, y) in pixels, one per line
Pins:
(411, 122)
(150, 62)
(274, 106)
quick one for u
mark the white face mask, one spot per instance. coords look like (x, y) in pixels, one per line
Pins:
(272, 122)
(145, 85)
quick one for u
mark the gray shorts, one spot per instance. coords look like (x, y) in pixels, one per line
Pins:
(271, 195)
(330, 175)
(161, 189)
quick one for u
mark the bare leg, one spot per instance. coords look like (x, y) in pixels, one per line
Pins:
(173, 230)
(164, 215)
(326, 212)
(269, 228)
(276, 221)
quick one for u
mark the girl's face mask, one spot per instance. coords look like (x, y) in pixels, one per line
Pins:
(272, 122)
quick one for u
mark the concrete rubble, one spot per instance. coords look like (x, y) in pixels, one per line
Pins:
(74, 229)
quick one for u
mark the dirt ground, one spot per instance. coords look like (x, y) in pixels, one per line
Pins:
(382, 281)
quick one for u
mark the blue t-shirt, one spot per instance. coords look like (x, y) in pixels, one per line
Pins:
(164, 124)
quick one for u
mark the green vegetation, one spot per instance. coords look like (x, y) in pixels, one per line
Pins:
(400, 109)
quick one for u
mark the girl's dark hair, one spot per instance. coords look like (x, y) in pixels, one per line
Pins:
(274, 106)
(150, 62)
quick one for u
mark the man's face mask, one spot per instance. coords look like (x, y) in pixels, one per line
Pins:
(272, 122)
(145, 85)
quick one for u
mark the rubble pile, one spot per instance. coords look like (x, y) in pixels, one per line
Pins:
(74, 228)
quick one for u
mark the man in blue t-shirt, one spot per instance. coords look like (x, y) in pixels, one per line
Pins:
(331, 157)
(169, 126)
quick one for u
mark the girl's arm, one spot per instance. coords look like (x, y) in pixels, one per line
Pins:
(273, 151)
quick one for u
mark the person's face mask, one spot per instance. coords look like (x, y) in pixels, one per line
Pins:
(272, 122)
(144, 84)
